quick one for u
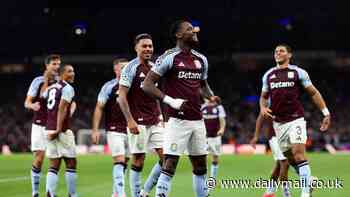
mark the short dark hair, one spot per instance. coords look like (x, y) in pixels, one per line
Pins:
(142, 36)
(51, 57)
(289, 48)
(119, 60)
(63, 68)
(175, 27)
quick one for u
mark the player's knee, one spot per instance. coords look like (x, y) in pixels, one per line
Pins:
(215, 160)
(299, 156)
(136, 168)
(284, 168)
(200, 170)
(39, 158)
(170, 163)
(284, 163)
(120, 159)
(38, 163)
(121, 163)
(55, 165)
(138, 160)
(71, 163)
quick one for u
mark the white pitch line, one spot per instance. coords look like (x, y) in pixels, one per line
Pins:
(21, 178)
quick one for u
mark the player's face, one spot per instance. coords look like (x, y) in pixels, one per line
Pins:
(281, 55)
(213, 103)
(69, 74)
(118, 68)
(188, 34)
(144, 49)
(53, 66)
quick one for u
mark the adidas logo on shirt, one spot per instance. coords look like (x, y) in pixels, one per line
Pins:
(142, 75)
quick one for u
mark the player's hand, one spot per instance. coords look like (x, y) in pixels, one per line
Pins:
(266, 112)
(133, 127)
(161, 124)
(52, 135)
(326, 123)
(220, 133)
(176, 103)
(35, 106)
(95, 137)
(253, 141)
(216, 99)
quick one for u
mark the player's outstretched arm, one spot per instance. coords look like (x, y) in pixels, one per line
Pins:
(258, 126)
(96, 119)
(124, 106)
(321, 104)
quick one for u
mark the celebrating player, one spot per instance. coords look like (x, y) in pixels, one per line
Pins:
(115, 126)
(142, 115)
(184, 73)
(283, 83)
(37, 104)
(61, 144)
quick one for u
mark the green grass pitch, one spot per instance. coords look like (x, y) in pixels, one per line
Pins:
(95, 175)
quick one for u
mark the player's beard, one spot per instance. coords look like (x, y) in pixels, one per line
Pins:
(281, 62)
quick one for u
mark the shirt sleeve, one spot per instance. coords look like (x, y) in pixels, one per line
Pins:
(163, 64)
(127, 75)
(222, 113)
(67, 93)
(104, 93)
(265, 86)
(34, 87)
(304, 78)
(205, 69)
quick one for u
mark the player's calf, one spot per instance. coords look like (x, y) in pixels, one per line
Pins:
(135, 173)
(214, 166)
(298, 151)
(271, 189)
(283, 176)
(118, 178)
(199, 165)
(167, 172)
(36, 171)
(152, 179)
(51, 181)
(71, 176)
